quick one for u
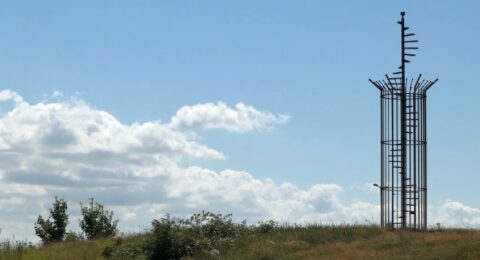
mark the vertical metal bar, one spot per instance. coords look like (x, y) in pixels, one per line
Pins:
(387, 166)
(422, 157)
(426, 159)
(382, 155)
(415, 129)
(409, 164)
(403, 127)
(391, 164)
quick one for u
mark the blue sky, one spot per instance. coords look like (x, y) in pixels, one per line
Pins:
(310, 60)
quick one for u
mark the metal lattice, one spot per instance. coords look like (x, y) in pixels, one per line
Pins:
(403, 188)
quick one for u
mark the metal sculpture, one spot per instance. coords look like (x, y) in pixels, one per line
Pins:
(403, 181)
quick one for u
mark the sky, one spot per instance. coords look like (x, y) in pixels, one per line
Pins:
(262, 109)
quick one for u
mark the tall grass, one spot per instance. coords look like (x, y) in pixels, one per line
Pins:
(13, 249)
(213, 236)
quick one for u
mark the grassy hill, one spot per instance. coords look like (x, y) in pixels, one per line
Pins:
(289, 242)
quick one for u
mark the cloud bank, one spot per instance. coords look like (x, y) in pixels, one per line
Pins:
(71, 149)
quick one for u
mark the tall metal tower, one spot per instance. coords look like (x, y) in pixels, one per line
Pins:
(403, 115)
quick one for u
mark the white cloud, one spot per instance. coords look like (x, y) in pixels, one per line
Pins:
(241, 118)
(7, 94)
(239, 191)
(455, 214)
(74, 128)
(70, 149)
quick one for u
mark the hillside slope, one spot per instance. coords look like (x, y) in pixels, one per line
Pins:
(313, 242)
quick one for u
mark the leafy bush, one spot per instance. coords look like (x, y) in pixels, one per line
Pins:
(134, 249)
(168, 239)
(265, 227)
(53, 228)
(97, 222)
(203, 234)
(73, 236)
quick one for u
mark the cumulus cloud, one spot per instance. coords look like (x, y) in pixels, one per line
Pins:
(455, 214)
(74, 128)
(241, 118)
(71, 149)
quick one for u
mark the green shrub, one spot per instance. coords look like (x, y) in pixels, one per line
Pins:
(73, 236)
(134, 249)
(265, 227)
(168, 239)
(203, 234)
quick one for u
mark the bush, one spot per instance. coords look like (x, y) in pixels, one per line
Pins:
(203, 234)
(53, 228)
(73, 236)
(265, 227)
(97, 222)
(133, 250)
(168, 239)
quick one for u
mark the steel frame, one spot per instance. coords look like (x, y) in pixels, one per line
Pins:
(403, 149)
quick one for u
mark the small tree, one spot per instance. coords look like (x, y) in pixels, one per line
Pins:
(97, 222)
(53, 228)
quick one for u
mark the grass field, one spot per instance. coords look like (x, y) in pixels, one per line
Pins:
(312, 242)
